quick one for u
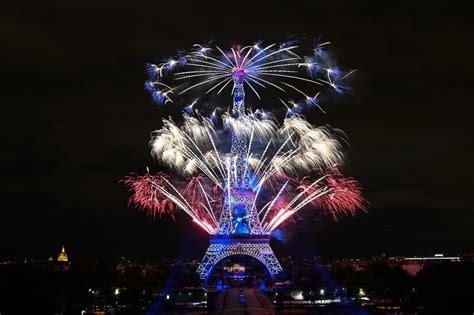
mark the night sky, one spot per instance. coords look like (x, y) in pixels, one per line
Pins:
(76, 119)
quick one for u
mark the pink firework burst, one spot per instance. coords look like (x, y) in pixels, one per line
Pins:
(340, 195)
(145, 195)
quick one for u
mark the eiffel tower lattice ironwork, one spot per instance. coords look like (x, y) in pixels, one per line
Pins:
(239, 231)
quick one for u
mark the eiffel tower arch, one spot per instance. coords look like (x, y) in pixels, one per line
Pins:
(224, 246)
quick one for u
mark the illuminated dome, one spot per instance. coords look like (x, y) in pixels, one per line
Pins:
(62, 256)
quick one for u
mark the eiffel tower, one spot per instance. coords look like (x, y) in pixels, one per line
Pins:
(239, 231)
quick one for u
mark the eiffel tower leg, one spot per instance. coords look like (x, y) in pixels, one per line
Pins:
(269, 259)
(221, 247)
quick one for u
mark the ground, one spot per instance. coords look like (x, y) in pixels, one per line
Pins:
(255, 302)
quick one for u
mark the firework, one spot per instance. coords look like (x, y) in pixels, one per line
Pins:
(279, 160)
(210, 69)
(145, 197)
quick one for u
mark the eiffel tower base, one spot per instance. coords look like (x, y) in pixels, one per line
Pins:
(223, 246)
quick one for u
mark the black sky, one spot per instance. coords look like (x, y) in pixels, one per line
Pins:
(75, 119)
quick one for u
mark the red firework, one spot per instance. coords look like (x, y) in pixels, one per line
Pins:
(145, 195)
(341, 195)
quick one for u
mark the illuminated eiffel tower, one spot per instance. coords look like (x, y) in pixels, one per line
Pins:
(247, 207)
(240, 231)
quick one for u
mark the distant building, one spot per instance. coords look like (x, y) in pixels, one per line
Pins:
(412, 265)
(62, 256)
(235, 271)
(469, 257)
